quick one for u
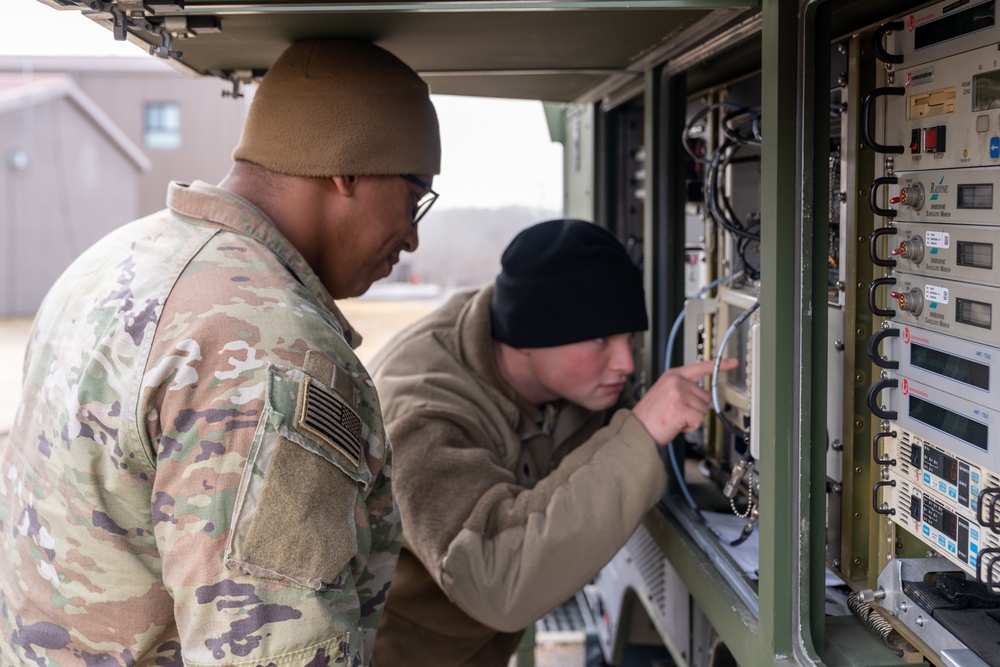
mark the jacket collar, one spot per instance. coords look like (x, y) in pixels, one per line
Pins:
(477, 348)
(202, 201)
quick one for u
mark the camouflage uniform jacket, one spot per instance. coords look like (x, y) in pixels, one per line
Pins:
(508, 510)
(198, 472)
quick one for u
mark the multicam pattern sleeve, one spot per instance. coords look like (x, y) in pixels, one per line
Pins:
(227, 505)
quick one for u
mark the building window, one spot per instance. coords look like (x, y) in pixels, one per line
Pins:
(163, 125)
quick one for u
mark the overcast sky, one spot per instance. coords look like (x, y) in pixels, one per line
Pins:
(494, 152)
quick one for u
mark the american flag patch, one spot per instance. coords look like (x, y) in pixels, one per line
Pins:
(324, 415)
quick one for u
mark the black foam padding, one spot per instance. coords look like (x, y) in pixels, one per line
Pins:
(976, 628)
(968, 593)
(927, 596)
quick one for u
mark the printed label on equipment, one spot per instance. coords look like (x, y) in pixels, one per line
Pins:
(936, 294)
(937, 239)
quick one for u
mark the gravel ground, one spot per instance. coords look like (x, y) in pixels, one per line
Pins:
(561, 654)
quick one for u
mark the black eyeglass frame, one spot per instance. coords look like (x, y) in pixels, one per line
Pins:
(426, 200)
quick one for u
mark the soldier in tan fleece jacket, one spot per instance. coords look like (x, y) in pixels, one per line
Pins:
(515, 481)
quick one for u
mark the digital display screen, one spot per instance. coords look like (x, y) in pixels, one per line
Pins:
(975, 255)
(961, 370)
(973, 432)
(977, 196)
(949, 26)
(976, 313)
(986, 91)
(941, 465)
(939, 517)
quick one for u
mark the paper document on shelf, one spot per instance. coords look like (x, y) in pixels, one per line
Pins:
(746, 555)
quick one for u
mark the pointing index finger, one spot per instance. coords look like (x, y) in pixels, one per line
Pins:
(697, 371)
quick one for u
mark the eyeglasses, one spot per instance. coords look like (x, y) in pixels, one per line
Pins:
(426, 200)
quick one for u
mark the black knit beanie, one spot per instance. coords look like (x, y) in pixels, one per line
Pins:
(565, 281)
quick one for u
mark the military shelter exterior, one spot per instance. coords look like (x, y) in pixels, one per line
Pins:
(69, 177)
(90, 143)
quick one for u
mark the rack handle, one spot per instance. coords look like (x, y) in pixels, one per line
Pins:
(880, 52)
(993, 520)
(882, 461)
(887, 212)
(873, 352)
(873, 405)
(866, 130)
(878, 282)
(876, 505)
(984, 571)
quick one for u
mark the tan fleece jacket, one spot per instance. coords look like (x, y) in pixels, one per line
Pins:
(507, 510)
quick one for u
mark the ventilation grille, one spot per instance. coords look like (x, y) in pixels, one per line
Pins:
(901, 502)
(648, 559)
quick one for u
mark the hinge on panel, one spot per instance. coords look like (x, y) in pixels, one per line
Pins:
(137, 9)
(164, 50)
(238, 78)
(147, 15)
(187, 27)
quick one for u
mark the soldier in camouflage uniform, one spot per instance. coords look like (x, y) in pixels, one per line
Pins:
(198, 472)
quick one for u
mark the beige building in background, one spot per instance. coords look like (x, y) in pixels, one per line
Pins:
(88, 144)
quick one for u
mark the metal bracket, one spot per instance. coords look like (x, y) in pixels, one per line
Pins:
(236, 93)
(120, 23)
(238, 78)
(134, 8)
(177, 27)
(189, 27)
(163, 50)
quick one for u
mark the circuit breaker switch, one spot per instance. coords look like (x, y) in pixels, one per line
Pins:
(911, 302)
(911, 249)
(934, 139)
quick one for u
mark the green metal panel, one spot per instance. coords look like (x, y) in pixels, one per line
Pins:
(653, 230)
(814, 224)
(555, 119)
(525, 654)
(861, 540)
(728, 612)
(215, 7)
(782, 620)
(779, 526)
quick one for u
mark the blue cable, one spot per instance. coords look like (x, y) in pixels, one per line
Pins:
(670, 349)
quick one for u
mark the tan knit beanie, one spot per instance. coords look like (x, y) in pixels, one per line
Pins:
(333, 107)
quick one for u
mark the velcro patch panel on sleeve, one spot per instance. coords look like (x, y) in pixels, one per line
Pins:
(326, 416)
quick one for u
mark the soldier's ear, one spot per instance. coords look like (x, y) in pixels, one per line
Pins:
(345, 184)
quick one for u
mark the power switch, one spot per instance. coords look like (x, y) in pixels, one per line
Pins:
(934, 139)
(915, 140)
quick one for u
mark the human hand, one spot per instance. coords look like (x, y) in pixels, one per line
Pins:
(676, 403)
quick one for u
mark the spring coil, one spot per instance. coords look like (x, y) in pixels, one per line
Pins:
(870, 617)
